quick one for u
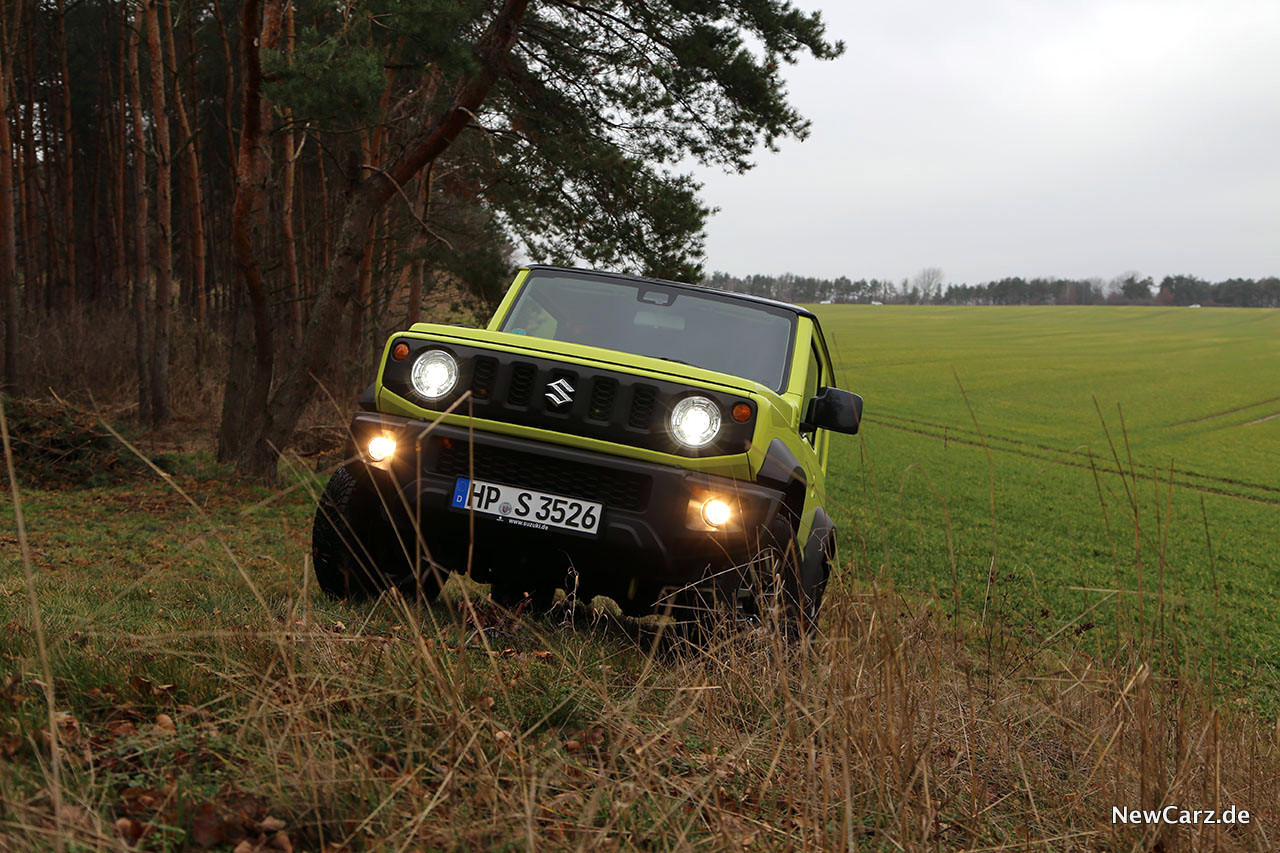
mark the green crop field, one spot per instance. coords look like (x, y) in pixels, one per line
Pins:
(1090, 469)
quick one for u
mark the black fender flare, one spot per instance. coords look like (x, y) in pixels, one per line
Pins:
(781, 470)
(819, 550)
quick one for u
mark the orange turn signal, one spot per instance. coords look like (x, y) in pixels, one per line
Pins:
(400, 352)
(742, 413)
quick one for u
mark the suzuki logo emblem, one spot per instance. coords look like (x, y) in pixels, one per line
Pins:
(559, 392)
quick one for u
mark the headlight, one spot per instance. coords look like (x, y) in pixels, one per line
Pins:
(434, 374)
(695, 421)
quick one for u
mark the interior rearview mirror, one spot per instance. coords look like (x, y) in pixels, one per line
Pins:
(834, 409)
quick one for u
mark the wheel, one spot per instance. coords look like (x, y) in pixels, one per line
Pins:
(701, 612)
(355, 548)
(778, 589)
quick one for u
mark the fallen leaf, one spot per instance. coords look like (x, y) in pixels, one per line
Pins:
(68, 727)
(206, 827)
(76, 816)
(129, 828)
(121, 728)
(272, 824)
(280, 841)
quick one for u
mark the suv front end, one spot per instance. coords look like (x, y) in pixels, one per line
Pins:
(589, 438)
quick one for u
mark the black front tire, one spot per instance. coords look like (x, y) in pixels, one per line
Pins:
(778, 591)
(355, 548)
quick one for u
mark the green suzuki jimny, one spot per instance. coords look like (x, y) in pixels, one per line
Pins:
(654, 442)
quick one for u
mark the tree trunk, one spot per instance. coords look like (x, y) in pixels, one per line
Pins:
(118, 149)
(250, 370)
(365, 274)
(160, 412)
(99, 144)
(228, 100)
(255, 445)
(187, 143)
(418, 267)
(48, 154)
(33, 272)
(141, 262)
(67, 162)
(289, 191)
(8, 241)
(326, 210)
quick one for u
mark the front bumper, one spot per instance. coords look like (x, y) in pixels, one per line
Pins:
(651, 527)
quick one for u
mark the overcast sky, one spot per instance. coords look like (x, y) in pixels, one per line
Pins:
(1021, 138)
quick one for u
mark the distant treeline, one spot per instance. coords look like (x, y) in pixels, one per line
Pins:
(927, 288)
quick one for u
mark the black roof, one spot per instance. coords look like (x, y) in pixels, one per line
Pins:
(746, 297)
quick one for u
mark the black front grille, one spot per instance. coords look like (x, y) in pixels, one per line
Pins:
(604, 390)
(520, 391)
(621, 489)
(643, 401)
(483, 376)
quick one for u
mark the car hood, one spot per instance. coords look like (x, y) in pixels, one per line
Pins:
(595, 356)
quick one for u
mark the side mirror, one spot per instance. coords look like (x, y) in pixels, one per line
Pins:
(834, 409)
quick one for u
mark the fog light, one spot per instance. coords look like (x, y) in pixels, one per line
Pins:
(715, 512)
(381, 448)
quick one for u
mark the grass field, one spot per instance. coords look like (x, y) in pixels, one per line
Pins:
(1047, 436)
(1004, 656)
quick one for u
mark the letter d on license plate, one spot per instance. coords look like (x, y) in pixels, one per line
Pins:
(527, 508)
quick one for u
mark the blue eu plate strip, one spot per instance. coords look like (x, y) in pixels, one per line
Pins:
(460, 491)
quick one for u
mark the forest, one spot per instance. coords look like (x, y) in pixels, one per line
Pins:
(247, 197)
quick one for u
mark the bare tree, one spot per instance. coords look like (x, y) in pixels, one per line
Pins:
(164, 222)
(8, 242)
(67, 258)
(189, 145)
(292, 148)
(929, 282)
(141, 262)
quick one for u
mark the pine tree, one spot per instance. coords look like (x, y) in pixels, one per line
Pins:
(584, 110)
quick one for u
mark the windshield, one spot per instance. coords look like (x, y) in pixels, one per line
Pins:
(709, 330)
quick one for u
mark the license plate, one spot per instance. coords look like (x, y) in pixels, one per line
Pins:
(527, 508)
